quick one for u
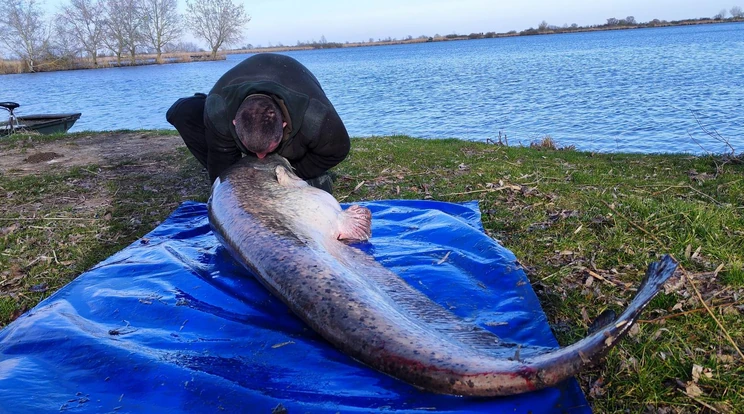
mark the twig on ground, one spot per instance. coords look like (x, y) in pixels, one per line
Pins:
(674, 315)
(600, 277)
(703, 403)
(352, 191)
(485, 190)
(694, 287)
(688, 187)
(720, 325)
(632, 223)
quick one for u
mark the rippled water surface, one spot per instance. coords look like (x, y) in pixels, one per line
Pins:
(630, 90)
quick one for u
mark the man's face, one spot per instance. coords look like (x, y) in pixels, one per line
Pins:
(269, 150)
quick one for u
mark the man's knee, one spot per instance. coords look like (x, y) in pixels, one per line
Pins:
(324, 182)
(187, 111)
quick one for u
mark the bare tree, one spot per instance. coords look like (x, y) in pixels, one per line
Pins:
(721, 15)
(736, 12)
(24, 31)
(543, 26)
(219, 22)
(85, 20)
(630, 20)
(123, 28)
(612, 21)
(161, 24)
(65, 46)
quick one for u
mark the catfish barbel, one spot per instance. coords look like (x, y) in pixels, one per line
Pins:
(291, 236)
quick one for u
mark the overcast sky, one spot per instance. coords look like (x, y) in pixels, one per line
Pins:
(287, 21)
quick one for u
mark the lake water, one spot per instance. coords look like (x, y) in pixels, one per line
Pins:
(628, 90)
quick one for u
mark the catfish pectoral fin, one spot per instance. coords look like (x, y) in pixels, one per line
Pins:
(356, 224)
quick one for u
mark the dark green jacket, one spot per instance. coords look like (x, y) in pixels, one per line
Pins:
(315, 138)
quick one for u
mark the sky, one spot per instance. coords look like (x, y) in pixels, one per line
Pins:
(286, 22)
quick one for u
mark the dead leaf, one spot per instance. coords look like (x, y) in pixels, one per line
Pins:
(629, 364)
(696, 371)
(17, 313)
(657, 334)
(700, 177)
(730, 310)
(692, 390)
(9, 230)
(675, 283)
(597, 389)
(725, 358)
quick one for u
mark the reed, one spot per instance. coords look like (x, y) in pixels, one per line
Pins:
(10, 66)
(60, 63)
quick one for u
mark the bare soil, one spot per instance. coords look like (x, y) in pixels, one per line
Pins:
(104, 149)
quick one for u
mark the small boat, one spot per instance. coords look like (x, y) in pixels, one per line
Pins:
(41, 123)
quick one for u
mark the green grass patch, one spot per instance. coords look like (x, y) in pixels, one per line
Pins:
(585, 226)
(569, 214)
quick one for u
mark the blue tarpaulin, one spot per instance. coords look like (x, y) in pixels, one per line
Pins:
(172, 324)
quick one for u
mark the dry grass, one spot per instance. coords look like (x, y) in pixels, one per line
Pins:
(10, 66)
(14, 66)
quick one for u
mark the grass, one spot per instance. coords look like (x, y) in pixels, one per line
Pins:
(584, 226)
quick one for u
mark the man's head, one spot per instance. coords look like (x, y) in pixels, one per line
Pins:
(259, 124)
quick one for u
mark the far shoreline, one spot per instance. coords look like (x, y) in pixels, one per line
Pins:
(15, 66)
(449, 38)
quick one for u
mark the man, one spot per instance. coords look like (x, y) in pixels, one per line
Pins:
(267, 103)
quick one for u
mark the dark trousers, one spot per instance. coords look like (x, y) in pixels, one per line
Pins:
(187, 115)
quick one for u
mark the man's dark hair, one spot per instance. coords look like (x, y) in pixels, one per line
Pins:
(258, 122)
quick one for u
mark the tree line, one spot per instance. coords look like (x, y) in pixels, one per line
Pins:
(123, 28)
(630, 21)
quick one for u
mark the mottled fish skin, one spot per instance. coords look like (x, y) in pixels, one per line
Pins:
(287, 236)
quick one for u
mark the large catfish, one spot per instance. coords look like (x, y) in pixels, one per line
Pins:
(291, 236)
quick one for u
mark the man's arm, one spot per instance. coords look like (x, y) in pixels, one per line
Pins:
(222, 153)
(325, 151)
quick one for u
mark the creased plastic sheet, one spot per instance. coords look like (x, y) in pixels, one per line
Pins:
(172, 324)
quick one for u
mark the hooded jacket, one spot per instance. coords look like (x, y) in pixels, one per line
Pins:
(315, 138)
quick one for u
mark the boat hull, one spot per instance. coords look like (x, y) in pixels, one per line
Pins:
(44, 124)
